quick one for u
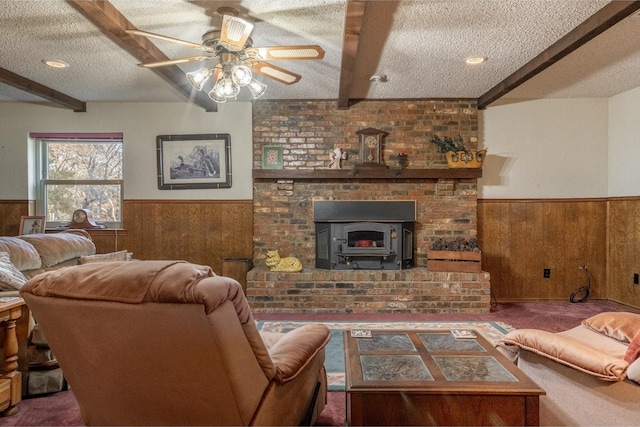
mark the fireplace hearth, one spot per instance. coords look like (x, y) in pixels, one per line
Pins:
(364, 235)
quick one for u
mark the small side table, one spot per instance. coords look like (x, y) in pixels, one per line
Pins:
(12, 310)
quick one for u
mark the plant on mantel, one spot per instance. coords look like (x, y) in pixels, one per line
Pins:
(459, 156)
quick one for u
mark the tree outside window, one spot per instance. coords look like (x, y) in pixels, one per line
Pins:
(81, 173)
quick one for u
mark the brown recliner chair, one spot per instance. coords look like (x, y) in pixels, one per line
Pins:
(171, 343)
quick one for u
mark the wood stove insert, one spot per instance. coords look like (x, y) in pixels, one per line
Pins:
(364, 235)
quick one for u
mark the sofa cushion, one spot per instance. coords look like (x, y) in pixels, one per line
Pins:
(622, 326)
(58, 247)
(569, 352)
(11, 279)
(23, 255)
(110, 257)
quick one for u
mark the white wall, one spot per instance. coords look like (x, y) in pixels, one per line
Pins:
(140, 123)
(553, 148)
(624, 144)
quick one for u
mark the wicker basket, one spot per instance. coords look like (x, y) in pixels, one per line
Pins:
(465, 159)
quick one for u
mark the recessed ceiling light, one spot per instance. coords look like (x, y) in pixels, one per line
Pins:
(55, 63)
(378, 78)
(475, 60)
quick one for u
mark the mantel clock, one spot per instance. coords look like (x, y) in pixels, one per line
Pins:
(370, 146)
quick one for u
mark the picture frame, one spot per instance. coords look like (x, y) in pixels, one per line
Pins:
(272, 157)
(32, 225)
(194, 161)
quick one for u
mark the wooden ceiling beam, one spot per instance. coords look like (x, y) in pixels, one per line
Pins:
(12, 79)
(598, 23)
(353, 24)
(114, 25)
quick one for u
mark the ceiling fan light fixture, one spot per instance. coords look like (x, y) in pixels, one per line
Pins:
(235, 32)
(215, 96)
(198, 78)
(256, 88)
(227, 88)
(241, 75)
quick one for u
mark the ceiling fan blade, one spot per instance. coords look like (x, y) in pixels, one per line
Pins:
(170, 39)
(234, 33)
(276, 73)
(275, 53)
(174, 61)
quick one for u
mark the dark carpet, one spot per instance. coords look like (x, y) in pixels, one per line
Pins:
(61, 409)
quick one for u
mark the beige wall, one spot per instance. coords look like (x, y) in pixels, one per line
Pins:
(553, 148)
(140, 123)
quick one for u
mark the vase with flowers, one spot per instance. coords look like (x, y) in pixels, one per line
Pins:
(402, 160)
(458, 156)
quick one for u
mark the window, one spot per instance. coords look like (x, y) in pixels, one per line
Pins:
(79, 171)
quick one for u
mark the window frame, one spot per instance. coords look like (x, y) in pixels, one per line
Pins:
(41, 170)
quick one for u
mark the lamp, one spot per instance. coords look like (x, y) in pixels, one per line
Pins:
(232, 73)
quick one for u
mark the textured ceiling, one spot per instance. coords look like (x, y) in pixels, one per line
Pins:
(420, 45)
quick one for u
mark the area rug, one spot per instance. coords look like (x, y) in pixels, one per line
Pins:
(334, 360)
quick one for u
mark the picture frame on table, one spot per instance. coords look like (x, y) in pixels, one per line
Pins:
(194, 161)
(31, 224)
(272, 157)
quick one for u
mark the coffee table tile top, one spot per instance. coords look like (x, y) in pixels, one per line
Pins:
(472, 368)
(394, 368)
(447, 342)
(392, 342)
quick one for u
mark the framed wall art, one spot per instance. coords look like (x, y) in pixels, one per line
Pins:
(194, 161)
(31, 225)
(272, 157)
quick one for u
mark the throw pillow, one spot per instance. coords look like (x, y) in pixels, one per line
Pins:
(633, 351)
(11, 279)
(621, 326)
(633, 371)
(110, 257)
(23, 254)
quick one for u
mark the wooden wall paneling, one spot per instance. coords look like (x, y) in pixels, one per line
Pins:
(624, 250)
(519, 238)
(519, 251)
(493, 238)
(552, 249)
(203, 232)
(10, 213)
(593, 240)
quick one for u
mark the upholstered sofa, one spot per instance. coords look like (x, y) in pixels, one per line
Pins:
(591, 373)
(24, 257)
(171, 343)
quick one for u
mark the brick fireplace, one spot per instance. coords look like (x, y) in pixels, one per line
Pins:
(445, 206)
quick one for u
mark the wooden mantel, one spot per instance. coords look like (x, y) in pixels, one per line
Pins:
(366, 173)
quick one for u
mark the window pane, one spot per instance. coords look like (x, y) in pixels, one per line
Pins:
(102, 200)
(81, 160)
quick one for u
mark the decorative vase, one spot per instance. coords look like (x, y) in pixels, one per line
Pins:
(465, 159)
(402, 162)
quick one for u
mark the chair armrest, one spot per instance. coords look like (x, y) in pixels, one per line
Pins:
(295, 350)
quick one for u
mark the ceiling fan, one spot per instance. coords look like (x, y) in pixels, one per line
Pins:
(235, 59)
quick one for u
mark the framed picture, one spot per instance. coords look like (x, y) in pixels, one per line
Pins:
(194, 161)
(272, 157)
(31, 225)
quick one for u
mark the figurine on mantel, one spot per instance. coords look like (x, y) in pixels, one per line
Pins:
(335, 157)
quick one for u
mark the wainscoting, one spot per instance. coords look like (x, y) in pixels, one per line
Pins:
(519, 238)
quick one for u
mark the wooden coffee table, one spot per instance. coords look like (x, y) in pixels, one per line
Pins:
(428, 377)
